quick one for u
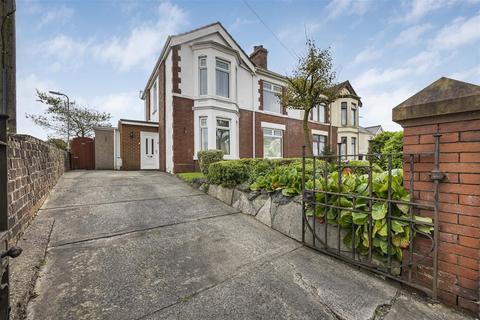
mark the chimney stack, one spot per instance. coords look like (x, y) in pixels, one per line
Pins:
(259, 56)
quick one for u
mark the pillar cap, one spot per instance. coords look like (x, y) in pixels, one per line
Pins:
(443, 97)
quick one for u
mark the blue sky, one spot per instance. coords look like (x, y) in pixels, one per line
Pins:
(101, 52)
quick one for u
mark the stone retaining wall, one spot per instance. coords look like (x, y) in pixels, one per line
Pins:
(34, 168)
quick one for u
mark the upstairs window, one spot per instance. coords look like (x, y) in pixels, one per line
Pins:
(344, 114)
(202, 76)
(319, 113)
(203, 133)
(271, 97)
(272, 143)
(223, 135)
(154, 98)
(222, 73)
(354, 114)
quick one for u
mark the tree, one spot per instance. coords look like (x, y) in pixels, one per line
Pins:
(384, 144)
(82, 119)
(312, 84)
(58, 143)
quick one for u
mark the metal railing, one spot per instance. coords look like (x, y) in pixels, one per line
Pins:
(324, 206)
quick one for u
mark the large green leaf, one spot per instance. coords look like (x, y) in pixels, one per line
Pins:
(379, 210)
(359, 218)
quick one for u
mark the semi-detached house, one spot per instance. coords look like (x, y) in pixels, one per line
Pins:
(205, 92)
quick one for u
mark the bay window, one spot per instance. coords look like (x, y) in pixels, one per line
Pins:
(202, 76)
(222, 78)
(271, 97)
(223, 135)
(203, 133)
(272, 143)
(319, 144)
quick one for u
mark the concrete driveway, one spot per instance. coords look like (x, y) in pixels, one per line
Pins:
(145, 245)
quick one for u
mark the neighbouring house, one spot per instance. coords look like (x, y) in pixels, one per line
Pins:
(206, 92)
(365, 135)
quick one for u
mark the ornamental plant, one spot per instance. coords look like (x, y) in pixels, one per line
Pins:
(287, 179)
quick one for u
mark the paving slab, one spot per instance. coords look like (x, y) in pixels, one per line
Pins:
(127, 276)
(94, 221)
(407, 306)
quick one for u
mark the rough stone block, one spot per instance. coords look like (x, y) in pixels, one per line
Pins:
(263, 214)
(287, 218)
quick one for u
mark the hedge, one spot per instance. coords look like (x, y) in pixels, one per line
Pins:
(207, 157)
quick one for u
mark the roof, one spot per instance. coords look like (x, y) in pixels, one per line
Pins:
(444, 96)
(347, 85)
(373, 129)
(137, 123)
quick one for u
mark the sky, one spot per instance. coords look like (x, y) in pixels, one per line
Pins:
(101, 52)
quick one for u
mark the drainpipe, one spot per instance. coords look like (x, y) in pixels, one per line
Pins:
(253, 116)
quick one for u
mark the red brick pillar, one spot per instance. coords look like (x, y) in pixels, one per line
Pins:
(451, 108)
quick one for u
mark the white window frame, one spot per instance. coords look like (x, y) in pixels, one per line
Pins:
(343, 147)
(202, 67)
(316, 113)
(353, 144)
(344, 106)
(229, 128)
(276, 90)
(317, 152)
(354, 114)
(203, 127)
(273, 133)
(226, 70)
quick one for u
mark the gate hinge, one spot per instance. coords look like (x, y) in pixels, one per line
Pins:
(437, 175)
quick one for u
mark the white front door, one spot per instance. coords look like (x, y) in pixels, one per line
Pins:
(149, 150)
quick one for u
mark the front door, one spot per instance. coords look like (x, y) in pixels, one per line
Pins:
(149, 150)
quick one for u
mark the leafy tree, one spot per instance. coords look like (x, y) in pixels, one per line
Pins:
(312, 84)
(82, 119)
(58, 143)
(387, 143)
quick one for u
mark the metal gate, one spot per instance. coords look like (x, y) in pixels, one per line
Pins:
(371, 226)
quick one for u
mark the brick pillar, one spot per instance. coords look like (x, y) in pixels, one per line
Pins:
(451, 108)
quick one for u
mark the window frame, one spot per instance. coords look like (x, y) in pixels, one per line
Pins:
(227, 71)
(200, 69)
(343, 144)
(316, 144)
(353, 144)
(272, 135)
(354, 114)
(229, 128)
(272, 89)
(344, 112)
(203, 127)
(316, 113)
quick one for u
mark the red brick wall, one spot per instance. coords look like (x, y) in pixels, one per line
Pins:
(130, 147)
(459, 205)
(246, 133)
(183, 130)
(176, 70)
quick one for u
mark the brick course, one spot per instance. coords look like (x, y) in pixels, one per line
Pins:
(459, 202)
(130, 148)
(34, 168)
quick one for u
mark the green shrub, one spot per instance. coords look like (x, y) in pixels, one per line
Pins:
(207, 157)
(228, 173)
(190, 176)
(387, 143)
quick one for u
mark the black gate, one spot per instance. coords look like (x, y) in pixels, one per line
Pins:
(357, 212)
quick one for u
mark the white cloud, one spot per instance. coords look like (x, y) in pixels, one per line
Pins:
(470, 75)
(374, 77)
(412, 35)
(144, 43)
(366, 55)
(139, 48)
(239, 22)
(58, 15)
(420, 8)
(121, 105)
(460, 32)
(337, 8)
